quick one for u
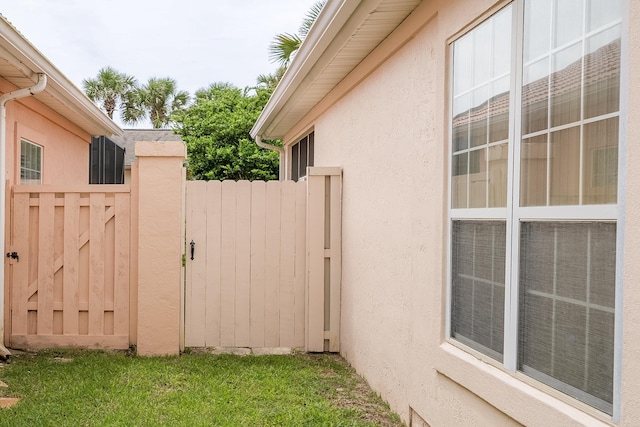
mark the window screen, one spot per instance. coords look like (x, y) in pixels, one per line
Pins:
(478, 254)
(567, 293)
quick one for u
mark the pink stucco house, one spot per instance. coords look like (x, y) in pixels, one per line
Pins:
(46, 126)
(490, 197)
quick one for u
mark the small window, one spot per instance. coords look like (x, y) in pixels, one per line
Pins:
(30, 163)
(301, 157)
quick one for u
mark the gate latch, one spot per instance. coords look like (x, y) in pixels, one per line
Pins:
(192, 244)
(13, 255)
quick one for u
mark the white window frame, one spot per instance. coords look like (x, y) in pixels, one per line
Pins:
(40, 149)
(515, 215)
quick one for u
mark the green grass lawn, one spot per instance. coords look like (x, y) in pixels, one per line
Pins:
(90, 388)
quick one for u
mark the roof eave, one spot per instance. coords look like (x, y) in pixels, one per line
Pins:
(346, 32)
(327, 25)
(29, 60)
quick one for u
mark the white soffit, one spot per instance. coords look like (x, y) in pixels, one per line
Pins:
(20, 62)
(346, 32)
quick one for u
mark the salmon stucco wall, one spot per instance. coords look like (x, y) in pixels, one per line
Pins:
(387, 126)
(160, 240)
(388, 241)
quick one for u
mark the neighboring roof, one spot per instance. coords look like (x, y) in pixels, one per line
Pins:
(20, 62)
(129, 138)
(345, 32)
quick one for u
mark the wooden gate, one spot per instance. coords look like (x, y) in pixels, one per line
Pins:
(264, 272)
(69, 279)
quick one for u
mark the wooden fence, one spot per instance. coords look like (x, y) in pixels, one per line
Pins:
(265, 272)
(266, 263)
(69, 279)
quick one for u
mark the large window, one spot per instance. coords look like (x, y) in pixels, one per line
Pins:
(534, 181)
(30, 163)
(301, 157)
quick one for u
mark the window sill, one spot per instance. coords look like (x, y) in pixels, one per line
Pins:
(518, 396)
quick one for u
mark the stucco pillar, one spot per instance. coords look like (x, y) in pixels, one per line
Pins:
(159, 246)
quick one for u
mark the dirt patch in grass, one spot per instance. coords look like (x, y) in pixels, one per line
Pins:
(350, 391)
(8, 402)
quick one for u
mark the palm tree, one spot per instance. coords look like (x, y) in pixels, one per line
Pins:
(284, 46)
(270, 81)
(157, 100)
(110, 88)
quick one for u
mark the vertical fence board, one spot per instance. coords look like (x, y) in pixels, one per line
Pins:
(121, 264)
(133, 258)
(335, 225)
(315, 263)
(243, 263)
(5, 331)
(300, 263)
(195, 289)
(45, 263)
(213, 259)
(228, 264)
(258, 263)
(96, 263)
(287, 263)
(71, 261)
(20, 270)
(271, 312)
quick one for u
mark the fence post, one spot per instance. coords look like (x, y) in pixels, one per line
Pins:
(324, 259)
(160, 224)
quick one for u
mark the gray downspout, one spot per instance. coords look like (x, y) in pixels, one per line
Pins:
(4, 99)
(274, 148)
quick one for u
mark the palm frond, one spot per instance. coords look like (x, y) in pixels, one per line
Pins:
(283, 48)
(311, 17)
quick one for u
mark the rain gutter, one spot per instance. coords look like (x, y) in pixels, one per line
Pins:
(4, 99)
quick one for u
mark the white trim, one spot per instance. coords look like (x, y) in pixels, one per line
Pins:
(573, 212)
(40, 149)
(449, 228)
(511, 270)
(478, 213)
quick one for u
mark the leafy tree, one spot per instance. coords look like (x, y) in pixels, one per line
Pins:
(216, 131)
(110, 88)
(158, 100)
(284, 46)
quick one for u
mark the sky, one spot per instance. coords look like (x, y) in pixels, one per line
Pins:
(195, 42)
